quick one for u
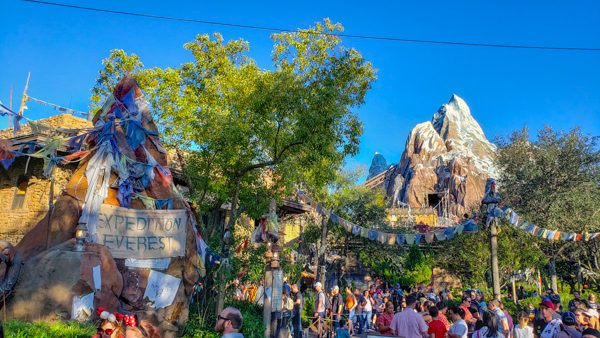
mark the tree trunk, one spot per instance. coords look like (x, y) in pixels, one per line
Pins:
(553, 278)
(322, 261)
(227, 240)
(494, 258)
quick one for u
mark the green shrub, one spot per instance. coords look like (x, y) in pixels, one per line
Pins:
(20, 329)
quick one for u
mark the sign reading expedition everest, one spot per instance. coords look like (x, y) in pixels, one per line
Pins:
(132, 233)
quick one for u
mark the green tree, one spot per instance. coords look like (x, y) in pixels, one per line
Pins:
(254, 134)
(554, 183)
(417, 268)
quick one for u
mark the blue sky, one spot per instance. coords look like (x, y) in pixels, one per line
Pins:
(505, 88)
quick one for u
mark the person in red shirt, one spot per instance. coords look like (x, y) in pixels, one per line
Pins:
(442, 307)
(384, 320)
(437, 329)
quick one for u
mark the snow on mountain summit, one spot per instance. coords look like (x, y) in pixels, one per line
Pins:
(449, 153)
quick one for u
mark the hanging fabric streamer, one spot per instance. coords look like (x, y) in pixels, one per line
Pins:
(7, 157)
(148, 201)
(125, 193)
(162, 203)
(364, 232)
(400, 239)
(163, 176)
(382, 237)
(449, 232)
(48, 153)
(98, 177)
(440, 235)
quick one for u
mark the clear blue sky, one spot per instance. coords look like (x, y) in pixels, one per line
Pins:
(505, 88)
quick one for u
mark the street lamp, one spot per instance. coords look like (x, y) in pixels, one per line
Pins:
(81, 234)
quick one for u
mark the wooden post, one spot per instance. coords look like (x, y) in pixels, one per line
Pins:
(50, 206)
(553, 278)
(514, 291)
(494, 258)
(266, 298)
(539, 283)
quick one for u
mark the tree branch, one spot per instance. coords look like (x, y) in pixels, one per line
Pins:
(274, 161)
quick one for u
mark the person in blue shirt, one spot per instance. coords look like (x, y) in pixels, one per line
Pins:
(343, 332)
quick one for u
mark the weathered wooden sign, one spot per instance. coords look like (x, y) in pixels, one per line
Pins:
(131, 233)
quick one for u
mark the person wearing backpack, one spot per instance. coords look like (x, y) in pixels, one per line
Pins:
(287, 306)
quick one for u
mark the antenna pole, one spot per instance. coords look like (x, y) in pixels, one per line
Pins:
(24, 97)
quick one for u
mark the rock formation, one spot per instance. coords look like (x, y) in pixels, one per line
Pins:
(139, 178)
(378, 165)
(449, 155)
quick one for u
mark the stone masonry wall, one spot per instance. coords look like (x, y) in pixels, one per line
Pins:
(16, 222)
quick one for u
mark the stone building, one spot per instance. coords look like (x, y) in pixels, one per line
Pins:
(25, 194)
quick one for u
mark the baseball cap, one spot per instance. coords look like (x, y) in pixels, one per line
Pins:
(318, 284)
(547, 303)
(569, 318)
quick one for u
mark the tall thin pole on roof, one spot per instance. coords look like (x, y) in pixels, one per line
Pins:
(24, 97)
(10, 106)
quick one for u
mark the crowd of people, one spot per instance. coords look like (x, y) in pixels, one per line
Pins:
(424, 313)
(386, 310)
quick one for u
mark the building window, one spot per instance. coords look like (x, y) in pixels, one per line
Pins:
(20, 192)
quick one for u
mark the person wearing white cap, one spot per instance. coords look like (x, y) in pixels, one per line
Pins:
(319, 311)
(337, 305)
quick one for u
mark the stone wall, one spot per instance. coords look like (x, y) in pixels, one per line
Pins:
(16, 221)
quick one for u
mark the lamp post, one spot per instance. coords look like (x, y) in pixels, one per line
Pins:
(81, 234)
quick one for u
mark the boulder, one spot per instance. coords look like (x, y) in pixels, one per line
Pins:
(50, 280)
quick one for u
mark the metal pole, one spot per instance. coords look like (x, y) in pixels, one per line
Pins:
(494, 258)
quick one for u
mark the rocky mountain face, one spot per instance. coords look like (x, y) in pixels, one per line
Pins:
(447, 156)
(378, 165)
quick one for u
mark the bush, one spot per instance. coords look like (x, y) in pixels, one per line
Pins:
(204, 328)
(19, 329)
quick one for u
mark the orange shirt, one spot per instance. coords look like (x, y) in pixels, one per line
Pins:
(468, 315)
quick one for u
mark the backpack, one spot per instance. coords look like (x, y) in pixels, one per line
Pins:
(288, 305)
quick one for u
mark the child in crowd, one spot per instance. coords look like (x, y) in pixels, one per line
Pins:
(522, 329)
(343, 332)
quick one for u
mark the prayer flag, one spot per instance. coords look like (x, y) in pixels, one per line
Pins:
(400, 239)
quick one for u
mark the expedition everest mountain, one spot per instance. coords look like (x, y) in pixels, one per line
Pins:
(445, 163)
